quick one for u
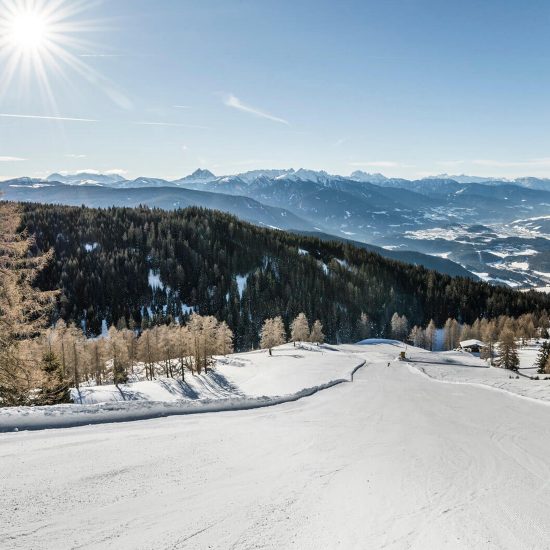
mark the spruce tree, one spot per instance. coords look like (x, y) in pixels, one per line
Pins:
(53, 388)
(542, 358)
(508, 351)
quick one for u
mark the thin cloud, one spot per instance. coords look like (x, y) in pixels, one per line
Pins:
(235, 103)
(94, 172)
(175, 124)
(377, 164)
(492, 163)
(72, 156)
(39, 117)
(530, 163)
(11, 159)
(450, 163)
(182, 106)
(101, 55)
(250, 162)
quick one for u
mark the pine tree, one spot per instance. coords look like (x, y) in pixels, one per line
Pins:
(148, 352)
(209, 340)
(23, 309)
(542, 358)
(431, 332)
(183, 349)
(451, 334)
(118, 354)
(224, 339)
(317, 335)
(195, 332)
(417, 337)
(96, 355)
(299, 329)
(363, 327)
(53, 388)
(508, 351)
(273, 334)
(399, 327)
(489, 335)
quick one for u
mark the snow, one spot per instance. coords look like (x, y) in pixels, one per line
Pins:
(487, 278)
(187, 309)
(252, 374)
(241, 284)
(465, 368)
(545, 289)
(470, 343)
(394, 460)
(239, 381)
(444, 255)
(324, 267)
(375, 341)
(519, 265)
(154, 280)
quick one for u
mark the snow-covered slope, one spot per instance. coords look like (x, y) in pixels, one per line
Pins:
(252, 374)
(240, 381)
(393, 460)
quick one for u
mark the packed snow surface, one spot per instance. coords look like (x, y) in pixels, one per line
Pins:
(394, 459)
(239, 381)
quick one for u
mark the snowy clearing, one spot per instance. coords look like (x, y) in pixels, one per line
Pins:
(239, 381)
(463, 368)
(393, 460)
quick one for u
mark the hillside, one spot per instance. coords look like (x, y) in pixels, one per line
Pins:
(153, 193)
(487, 230)
(150, 266)
(394, 459)
(442, 265)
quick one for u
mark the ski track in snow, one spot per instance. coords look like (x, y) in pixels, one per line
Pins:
(393, 460)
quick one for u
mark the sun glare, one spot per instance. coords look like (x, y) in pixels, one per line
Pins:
(28, 31)
(41, 42)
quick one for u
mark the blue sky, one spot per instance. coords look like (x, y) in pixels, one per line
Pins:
(407, 88)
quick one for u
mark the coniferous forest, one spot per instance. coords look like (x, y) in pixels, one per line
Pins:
(142, 267)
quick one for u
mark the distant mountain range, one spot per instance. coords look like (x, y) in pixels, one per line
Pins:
(485, 227)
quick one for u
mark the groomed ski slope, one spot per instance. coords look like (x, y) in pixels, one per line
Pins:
(393, 460)
(239, 381)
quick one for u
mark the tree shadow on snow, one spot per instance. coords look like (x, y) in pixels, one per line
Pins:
(180, 389)
(448, 362)
(223, 383)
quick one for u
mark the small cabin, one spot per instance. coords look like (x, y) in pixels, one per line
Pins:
(472, 346)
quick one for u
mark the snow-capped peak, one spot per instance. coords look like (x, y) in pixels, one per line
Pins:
(359, 175)
(198, 176)
(87, 177)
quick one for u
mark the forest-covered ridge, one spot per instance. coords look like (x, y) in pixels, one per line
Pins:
(152, 266)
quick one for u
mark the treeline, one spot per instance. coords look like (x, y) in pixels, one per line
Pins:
(40, 364)
(500, 336)
(525, 327)
(146, 267)
(62, 357)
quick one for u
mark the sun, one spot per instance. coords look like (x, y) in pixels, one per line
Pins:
(28, 31)
(40, 45)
